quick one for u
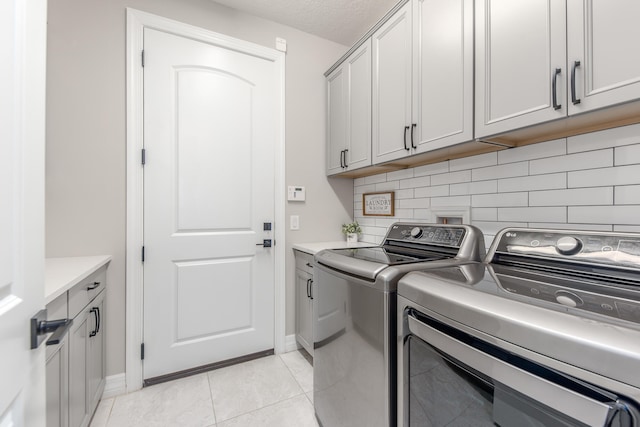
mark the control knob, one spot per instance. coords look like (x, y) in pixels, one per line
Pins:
(416, 232)
(569, 299)
(568, 245)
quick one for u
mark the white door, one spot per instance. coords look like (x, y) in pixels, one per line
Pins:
(603, 63)
(442, 73)
(358, 119)
(349, 112)
(211, 121)
(22, 125)
(392, 59)
(336, 119)
(520, 60)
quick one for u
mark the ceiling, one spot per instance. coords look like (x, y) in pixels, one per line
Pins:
(342, 21)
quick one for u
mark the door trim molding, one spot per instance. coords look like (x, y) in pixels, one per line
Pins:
(136, 22)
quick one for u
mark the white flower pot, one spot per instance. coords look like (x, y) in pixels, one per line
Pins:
(352, 237)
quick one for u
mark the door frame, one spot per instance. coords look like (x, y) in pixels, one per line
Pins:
(137, 21)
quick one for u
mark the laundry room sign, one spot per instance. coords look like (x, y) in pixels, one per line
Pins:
(378, 204)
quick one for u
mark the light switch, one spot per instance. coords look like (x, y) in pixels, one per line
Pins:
(296, 194)
(295, 222)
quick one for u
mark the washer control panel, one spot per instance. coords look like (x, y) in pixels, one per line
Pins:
(613, 249)
(427, 234)
(625, 306)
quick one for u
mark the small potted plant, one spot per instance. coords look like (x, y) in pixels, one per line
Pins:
(351, 230)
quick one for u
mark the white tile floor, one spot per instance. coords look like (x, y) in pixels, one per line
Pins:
(271, 391)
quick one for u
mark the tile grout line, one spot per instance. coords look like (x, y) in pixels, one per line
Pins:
(213, 407)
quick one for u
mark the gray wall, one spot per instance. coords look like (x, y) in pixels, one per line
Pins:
(85, 169)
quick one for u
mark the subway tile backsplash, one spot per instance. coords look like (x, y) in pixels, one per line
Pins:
(589, 182)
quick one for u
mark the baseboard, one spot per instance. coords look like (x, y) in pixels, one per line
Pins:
(115, 386)
(290, 343)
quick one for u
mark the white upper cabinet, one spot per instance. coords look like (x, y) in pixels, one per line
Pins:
(423, 79)
(349, 113)
(603, 59)
(392, 125)
(442, 73)
(520, 63)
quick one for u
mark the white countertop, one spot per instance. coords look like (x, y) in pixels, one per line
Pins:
(315, 247)
(61, 274)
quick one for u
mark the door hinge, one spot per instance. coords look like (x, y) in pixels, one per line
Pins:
(142, 55)
(142, 351)
(144, 156)
(143, 254)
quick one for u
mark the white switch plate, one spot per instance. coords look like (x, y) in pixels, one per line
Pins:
(296, 194)
(294, 222)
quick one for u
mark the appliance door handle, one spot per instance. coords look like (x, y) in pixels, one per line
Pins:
(554, 89)
(406, 128)
(574, 100)
(579, 407)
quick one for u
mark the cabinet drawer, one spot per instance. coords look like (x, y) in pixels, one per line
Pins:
(85, 291)
(304, 261)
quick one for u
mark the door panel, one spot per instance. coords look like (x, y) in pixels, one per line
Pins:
(211, 122)
(603, 36)
(443, 72)
(231, 278)
(392, 86)
(519, 45)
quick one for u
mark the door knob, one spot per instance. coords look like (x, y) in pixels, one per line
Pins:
(265, 243)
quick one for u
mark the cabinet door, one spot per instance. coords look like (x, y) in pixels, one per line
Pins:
(95, 353)
(391, 49)
(336, 119)
(58, 386)
(304, 310)
(78, 336)
(603, 37)
(442, 73)
(520, 45)
(358, 120)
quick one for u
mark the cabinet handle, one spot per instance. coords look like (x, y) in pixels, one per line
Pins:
(93, 333)
(93, 286)
(554, 91)
(345, 158)
(311, 288)
(406, 128)
(99, 319)
(309, 265)
(413, 126)
(575, 100)
(308, 295)
(342, 159)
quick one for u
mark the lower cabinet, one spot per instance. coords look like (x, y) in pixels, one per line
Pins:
(86, 362)
(304, 300)
(75, 371)
(57, 369)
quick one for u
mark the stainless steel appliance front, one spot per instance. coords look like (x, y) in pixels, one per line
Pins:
(546, 334)
(355, 328)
